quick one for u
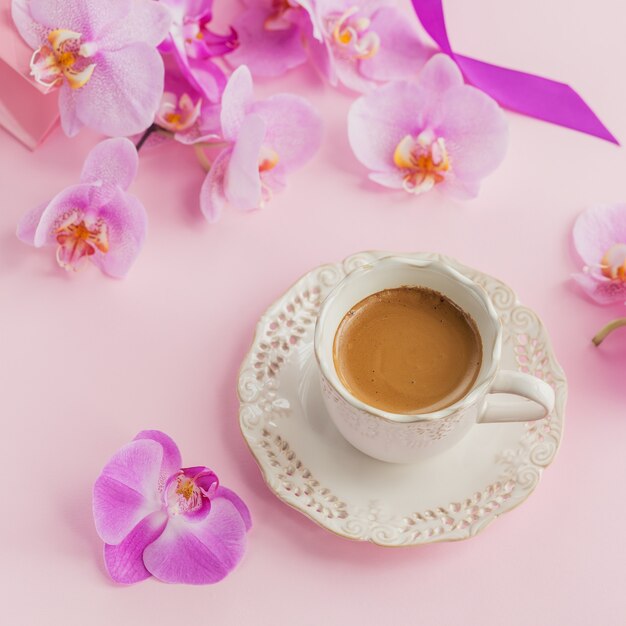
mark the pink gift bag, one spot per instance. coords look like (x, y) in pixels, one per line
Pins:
(26, 110)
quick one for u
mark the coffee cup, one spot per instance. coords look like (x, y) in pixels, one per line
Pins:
(408, 437)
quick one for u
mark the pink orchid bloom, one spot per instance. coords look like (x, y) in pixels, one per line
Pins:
(184, 111)
(600, 240)
(266, 140)
(105, 62)
(194, 44)
(156, 518)
(272, 36)
(355, 42)
(177, 114)
(96, 219)
(437, 132)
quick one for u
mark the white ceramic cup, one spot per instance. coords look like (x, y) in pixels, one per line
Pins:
(405, 438)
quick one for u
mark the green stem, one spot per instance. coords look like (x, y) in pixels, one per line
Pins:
(202, 157)
(608, 329)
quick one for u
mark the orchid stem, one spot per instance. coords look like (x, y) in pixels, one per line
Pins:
(608, 329)
(202, 157)
(151, 129)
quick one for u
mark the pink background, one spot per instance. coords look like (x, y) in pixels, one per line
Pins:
(86, 362)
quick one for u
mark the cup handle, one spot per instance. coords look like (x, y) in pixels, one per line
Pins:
(529, 387)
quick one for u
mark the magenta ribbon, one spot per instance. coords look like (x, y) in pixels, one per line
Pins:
(524, 93)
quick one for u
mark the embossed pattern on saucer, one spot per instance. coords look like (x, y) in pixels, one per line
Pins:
(308, 464)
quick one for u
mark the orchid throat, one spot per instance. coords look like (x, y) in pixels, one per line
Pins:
(63, 57)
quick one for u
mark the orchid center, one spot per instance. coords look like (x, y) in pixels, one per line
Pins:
(178, 114)
(79, 239)
(423, 161)
(190, 490)
(268, 159)
(352, 35)
(281, 12)
(63, 57)
(201, 42)
(613, 262)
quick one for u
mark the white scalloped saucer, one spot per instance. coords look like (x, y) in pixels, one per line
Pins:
(308, 464)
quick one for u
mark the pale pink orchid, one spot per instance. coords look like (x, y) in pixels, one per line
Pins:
(159, 519)
(95, 219)
(599, 237)
(358, 43)
(194, 45)
(178, 113)
(435, 133)
(265, 140)
(101, 55)
(184, 111)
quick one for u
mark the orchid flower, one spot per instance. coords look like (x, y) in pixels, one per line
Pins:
(102, 57)
(96, 219)
(355, 42)
(437, 132)
(599, 237)
(194, 45)
(156, 518)
(184, 113)
(265, 140)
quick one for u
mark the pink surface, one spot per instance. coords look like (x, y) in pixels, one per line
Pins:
(86, 362)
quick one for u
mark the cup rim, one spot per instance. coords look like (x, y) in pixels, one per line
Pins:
(467, 400)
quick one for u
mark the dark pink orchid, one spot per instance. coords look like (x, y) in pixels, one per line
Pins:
(156, 518)
(194, 45)
(358, 43)
(96, 219)
(435, 133)
(265, 139)
(105, 62)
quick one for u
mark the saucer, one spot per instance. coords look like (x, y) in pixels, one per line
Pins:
(309, 465)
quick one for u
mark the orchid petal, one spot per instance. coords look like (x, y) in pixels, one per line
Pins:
(349, 76)
(111, 164)
(460, 189)
(322, 59)
(602, 290)
(32, 32)
(378, 121)
(127, 489)
(87, 18)
(137, 74)
(70, 122)
(126, 220)
(475, 131)
(266, 52)
(70, 199)
(393, 179)
(147, 21)
(212, 198)
(172, 460)
(597, 229)
(401, 54)
(294, 129)
(124, 561)
(440, 74)
(27, 226)
(237, 502)
(242, 184)
(236, 99)
(207, 77)
(198, 553)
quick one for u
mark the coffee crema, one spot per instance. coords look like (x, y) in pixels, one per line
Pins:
(407, 350)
